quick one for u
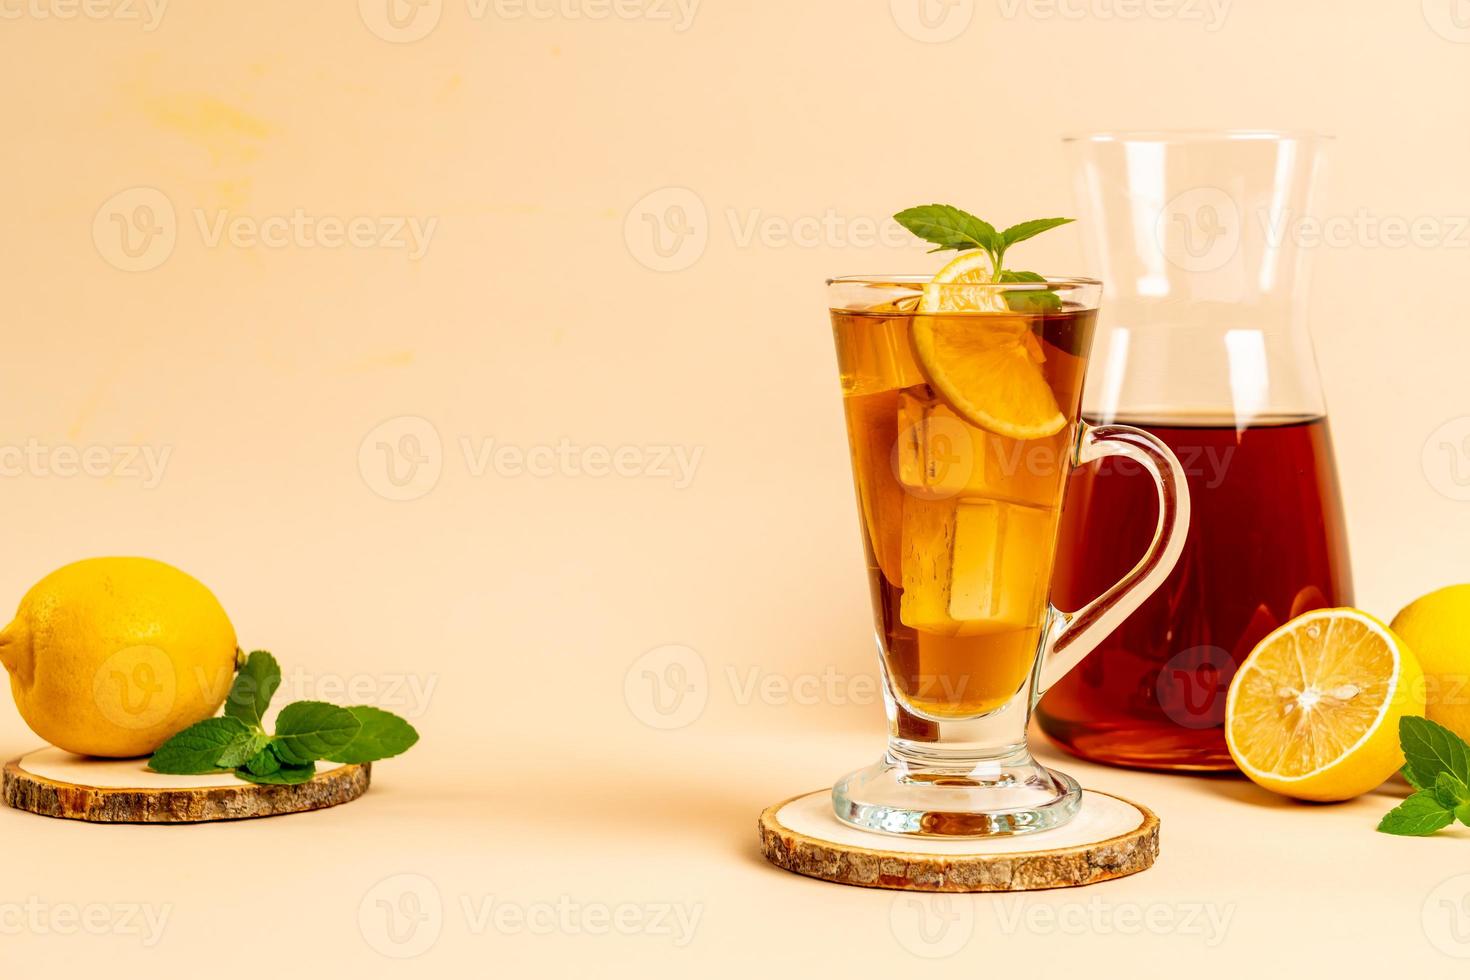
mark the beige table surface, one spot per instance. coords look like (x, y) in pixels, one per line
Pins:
(639, 859)
(568, 399)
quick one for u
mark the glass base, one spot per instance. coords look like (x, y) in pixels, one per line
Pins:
(989, 799)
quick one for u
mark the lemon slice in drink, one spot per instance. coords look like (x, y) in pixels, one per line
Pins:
(988, 368)
(1314, 710)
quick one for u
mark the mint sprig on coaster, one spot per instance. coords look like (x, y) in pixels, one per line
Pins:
(306, 732)
(1437, 765)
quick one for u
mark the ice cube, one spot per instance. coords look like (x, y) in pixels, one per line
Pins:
(873, 354)
(935, 454)
(973, 566)
(940, 456)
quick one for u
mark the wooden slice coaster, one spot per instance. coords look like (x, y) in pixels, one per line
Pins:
(54, 783)
(1110, 837)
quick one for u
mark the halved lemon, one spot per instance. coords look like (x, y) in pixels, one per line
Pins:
(988, 368)
(1314, 710)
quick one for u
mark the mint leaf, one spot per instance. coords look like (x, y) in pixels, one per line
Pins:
(196, 749)
(1039, 301)
(1028, 300)
(1418, 816)
(311, 730)
(254, 686)
(1030, 229)
(950, 228)
(1430, 749)
(284, 776)
(1462, 813)
(264, 762)
(1409, 778)
(1450, 791)
(383, 734)
(241, 750)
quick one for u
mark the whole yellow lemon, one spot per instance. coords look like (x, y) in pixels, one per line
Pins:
(1437, 628)
(111, 656)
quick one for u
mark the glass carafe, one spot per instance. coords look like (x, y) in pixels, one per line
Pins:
(1203, 342)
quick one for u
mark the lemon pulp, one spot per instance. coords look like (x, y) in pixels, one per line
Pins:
(1313, 712)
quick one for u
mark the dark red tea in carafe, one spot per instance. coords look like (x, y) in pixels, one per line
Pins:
(1266, 543)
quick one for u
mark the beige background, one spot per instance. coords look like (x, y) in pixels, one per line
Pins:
(507, 613)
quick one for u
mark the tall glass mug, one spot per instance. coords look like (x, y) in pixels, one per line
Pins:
(963, 428)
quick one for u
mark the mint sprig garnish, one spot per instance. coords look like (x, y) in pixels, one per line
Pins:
(1437, 765)
(947, 227)
(306, 732)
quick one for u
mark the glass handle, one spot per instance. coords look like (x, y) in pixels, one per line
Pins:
(1072, 636)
